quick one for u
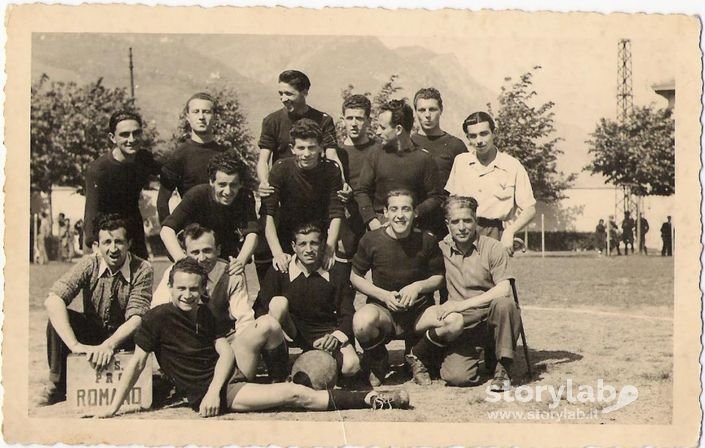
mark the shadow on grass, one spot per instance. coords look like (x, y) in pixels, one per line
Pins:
(540, 361)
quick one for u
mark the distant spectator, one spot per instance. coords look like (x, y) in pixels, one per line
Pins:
(78, 230)
(614, 235)
(666, 237)
(644, 229)
(65, 238)
(601, 236)
(43, 239)
(628, 232)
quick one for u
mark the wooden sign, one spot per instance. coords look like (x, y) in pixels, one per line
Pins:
(88, 389)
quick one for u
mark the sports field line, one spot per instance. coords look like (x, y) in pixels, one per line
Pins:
(596, 313)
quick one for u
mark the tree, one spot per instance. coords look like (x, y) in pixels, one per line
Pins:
(640, 152)
(527, 132)
(385, 94)
(230, 128)
(69, 129)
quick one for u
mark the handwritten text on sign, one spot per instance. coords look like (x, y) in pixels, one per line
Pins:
(87, 388)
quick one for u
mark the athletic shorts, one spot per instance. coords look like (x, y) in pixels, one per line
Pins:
(228, 392)
(403, 322)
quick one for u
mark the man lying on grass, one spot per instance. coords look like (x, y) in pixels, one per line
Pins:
(182, 334)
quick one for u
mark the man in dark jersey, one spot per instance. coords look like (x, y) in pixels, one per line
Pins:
(442, 146)
(223, 205)
(357, 146)
(275, 143)
(313, 306)
(304, 189)
(115, 180)
(188, 164)
(407, 267)
(183, 336)
(398, 164)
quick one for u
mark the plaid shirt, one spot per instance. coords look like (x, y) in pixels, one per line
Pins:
(108, 298)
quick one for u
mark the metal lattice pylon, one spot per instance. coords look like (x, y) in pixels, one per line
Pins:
(625, 96)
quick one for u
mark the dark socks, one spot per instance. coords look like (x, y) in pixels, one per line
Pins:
(277, 360)
(428, 348)
(345, 399)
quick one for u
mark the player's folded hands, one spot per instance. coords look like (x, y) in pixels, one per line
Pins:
(328, 343)
(392, 301)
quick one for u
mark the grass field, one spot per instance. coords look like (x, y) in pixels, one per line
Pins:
(587, 318)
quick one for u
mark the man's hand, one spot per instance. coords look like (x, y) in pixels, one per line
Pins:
(265, 189)
(235, 266)
(210, 405)
(99, 356)
(328, 343)
(508, 242)
(328, 257)
(374, 224)
(281, 262)
(408, 295)
(345, 194)
(443, 310)
(392, 301)
(106, 413)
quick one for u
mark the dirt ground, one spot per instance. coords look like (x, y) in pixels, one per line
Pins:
(591, 322)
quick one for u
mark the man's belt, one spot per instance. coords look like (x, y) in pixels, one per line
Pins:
(484, 222)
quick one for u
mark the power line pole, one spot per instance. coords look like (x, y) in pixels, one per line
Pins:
(132, 77)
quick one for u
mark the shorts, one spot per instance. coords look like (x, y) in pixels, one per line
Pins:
(307, 334)
(228, 392)
(403, 322)
(351, 231)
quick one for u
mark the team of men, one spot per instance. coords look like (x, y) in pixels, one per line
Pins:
(329, 215)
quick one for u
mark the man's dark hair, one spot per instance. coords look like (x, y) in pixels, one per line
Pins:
(399, 192)
(190, 266)
(109, 222)
(305, 229)
(358, 102)
(477, 118)
(295, 79)
(194, 231)
(200, 96)
(429, 93)
(227, 162)
(454, 201)
(305, 128)
(402, 114)
(122, 115)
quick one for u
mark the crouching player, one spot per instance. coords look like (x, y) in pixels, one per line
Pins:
(196, 356)
(229, 302)
(407, 267)
(480, 310)
(314, 306)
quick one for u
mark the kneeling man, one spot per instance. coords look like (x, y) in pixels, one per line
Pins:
(479, 299)
(227, 298)
(115, 288)
(192, 351)
(314, 306)
(407, 267)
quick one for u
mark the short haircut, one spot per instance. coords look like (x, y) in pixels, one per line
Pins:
(429, 93)
(477, 118)
(189, 266)
(305, 128)
(358, 102)
(305, 229)
(399, 192)
(123, 115)
(228, 163)
(454, 201)
(194, 231)
(200, 96)
(295, 79)
(109, 222)
(402, 114)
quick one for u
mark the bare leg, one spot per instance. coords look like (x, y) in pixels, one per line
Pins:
(264, 333)
(257, 397)
(279, 310)
(351, 362)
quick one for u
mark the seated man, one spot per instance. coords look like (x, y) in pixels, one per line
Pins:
(115, 286)
(196, 356)
(229, 302)
(480, 297)
(305, 189)
(313, 308)
(223, 205)
(407, 267)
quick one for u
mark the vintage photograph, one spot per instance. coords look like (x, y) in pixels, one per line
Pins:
(358, 226)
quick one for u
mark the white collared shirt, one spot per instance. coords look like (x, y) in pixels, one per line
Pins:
(499, 188)
(295, 271)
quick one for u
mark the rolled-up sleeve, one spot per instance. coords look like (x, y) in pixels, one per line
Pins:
(240, 304)
(141, 293)
(524, 194)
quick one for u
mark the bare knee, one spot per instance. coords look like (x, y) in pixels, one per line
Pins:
(298, 396)
(279, 307)
(452, 327)
(365, 322)
(351, 364)
(268, 325)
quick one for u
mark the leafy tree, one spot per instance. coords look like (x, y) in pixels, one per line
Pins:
(230, 127)
(640, 152)
(385, 94)
(527, 132)
(69, 129)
